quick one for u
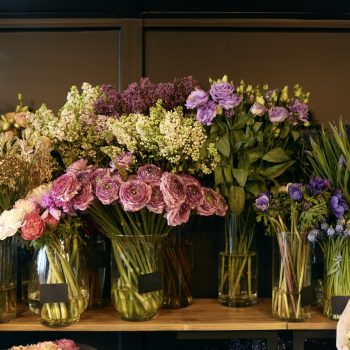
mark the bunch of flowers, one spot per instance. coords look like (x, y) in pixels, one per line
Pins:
(60, 344)
(289, 214)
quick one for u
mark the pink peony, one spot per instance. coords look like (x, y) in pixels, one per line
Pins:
(179, 215)
(33, 227)
(135, 195)
(210, 203)
(67, 344)
(149, 173)
(107, 189)
(65, 187)
(174, 190)
(84, 197)
(156, 203)
(222, 205)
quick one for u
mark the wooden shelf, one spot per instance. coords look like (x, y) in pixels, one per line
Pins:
(202, 315)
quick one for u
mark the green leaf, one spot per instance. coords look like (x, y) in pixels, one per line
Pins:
(285, 130)
(236, 199)
(228, 173)
(253, 155)
(214, 128)
(240, 175)
(276, 155)
(256, 187)
(257, 126)
(295, 134)
(276, 170)
(241, 120)
(219, 178)
(223, 145)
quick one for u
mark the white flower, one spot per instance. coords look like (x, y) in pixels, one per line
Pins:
(38, 194)
(27, 205)
(10, 222)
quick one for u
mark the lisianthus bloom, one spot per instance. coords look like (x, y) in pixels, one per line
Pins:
(258, 109)
(33, 227)
(174, 190)
(134, 195)
(197, 98)
(317, 185)
(299, 111)
(223, 94)
(206, 113)
(194, 192)
(278, 114)
(338, 204)
(222, 207)
(262, 202)
(295, 192)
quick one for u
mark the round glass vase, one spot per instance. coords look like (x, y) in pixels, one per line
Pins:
(177, 273)
(8, 279)
(291, 273)
(136, 281)
(56, 290)
(238, 275)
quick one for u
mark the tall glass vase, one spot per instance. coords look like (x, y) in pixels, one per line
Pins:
(55, 291)
(8, 279)
(238, 264)
(177, 270)
(291, 274)
(137, 288)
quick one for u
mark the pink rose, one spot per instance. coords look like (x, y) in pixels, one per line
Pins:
(210, 203)
(178, 215)
(149, 173)
(156, 203)
(33, 227)
(174, 190)
(134, 195)
(84, 197)
(65, 187)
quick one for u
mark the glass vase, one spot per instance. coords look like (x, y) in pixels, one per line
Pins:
(177, 271)
(136, 283)
(8, 279)
(55, 291)
(238, 263)
(291, 275)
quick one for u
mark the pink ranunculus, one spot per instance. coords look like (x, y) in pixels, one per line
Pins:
(33, 227)
(210, 203)
(107, 188)
(194, 195)
(84, 197)
(67, 344)
(189, 180)
(156, 203)
(149, 173)
(179, 215)
(135, 195)
(122, 161)
(65, 187)
(222, 205)
(174, 190)
(78, 166)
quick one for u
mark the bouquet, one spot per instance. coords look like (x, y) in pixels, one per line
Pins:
(60, 344)
(290, 214)
(259, 135)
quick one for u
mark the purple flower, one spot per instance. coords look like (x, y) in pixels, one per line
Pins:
(149, 173)
(122, 161)
(178, 216)
(196, 99)
(278, 114)
(174, 190)
(258, 109)
(206, 113)
(109, 103)
(156, 204)
(262, 202)
(317, 185)
(84, 197)
(295, 192)
(223, 94)
(299, 111)
(134, 195)
(210, 203)
(338, 204)
(65, 187)
(107, 189)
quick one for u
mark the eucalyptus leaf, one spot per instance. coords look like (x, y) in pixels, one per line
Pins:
(277, 170)
(223, 145)
(276, 155)
(236, 199)
(241, 176)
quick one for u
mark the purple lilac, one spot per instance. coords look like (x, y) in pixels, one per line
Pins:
(295, 192)
(338, 204)
(109, 103)
(317, 185)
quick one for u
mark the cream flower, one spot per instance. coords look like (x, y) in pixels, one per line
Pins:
(10, 222)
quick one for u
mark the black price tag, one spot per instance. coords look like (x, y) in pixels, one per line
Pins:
(54, 293)
(338, 304)
(308, 296)
(150, 282)
(97, 260)
(317, 271)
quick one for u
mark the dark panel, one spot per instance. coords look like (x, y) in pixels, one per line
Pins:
(320, 62)
(43, 65)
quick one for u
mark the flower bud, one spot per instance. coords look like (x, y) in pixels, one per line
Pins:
(10, 117)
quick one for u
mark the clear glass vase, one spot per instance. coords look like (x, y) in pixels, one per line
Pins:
(136, 282)
(177, 271)
(8, 279)
(55, 291)
(291, 274)
(238, 263)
